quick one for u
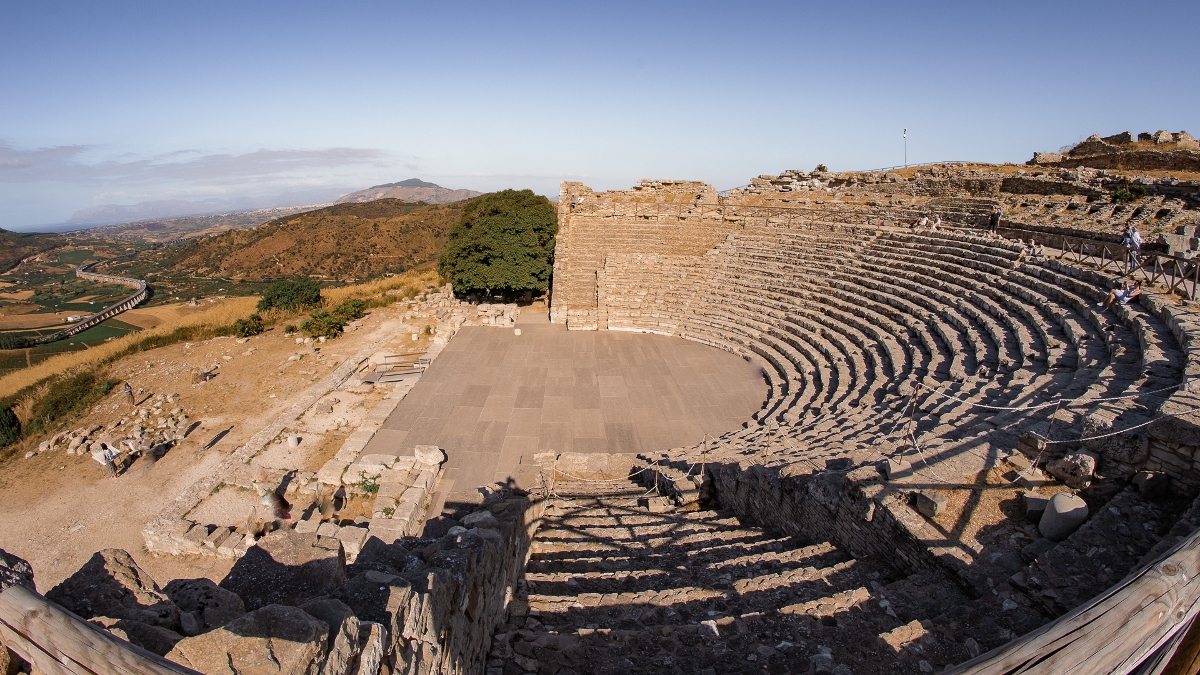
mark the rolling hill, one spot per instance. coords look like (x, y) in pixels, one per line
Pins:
(342, 242)
(411, 190)
(16, 246)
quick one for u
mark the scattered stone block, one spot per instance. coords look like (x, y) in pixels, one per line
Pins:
(111, 584)
(931, 503)
(1033, 478)
(655, 504)
(898, 638)
(1075, 469)
(343, 644)
(1064, 514)
(307, 526)
(1152, 484)
(327, 530)
(233, 546)
(216, 538)
(896, 470)
(212, 605)
(1019, 460)
(480, 519)
(15, 571)
(197, 534)
(274, 638)
(429, 454)
(155, 639)
(287, 567)
(1035, 506)
(353, 539)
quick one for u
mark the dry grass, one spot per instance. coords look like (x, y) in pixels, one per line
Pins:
(418, 279)
(219, 316)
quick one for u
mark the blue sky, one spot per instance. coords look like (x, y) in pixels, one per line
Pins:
(122, 102)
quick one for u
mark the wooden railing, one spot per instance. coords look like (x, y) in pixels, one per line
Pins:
(1174, 273)
(1136, 626)
(56, 642)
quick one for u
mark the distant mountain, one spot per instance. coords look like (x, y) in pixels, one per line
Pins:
(158, 230)
(108, 214)
(411, 190)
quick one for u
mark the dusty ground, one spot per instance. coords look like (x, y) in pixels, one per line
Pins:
(56, 509)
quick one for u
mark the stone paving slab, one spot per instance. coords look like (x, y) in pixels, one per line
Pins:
(493, 399)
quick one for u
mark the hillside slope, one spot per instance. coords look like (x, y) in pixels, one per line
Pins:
(343, 242)
(16, 246)
(411, 190)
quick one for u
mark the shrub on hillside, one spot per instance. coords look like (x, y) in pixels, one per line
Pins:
(351, 309)
(323, 324)
(10, 427)
(71, 395)
(248, 327)
(504, 242)
(1127, 194)
(290, 295)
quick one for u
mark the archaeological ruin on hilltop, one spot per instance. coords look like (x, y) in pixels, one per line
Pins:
(978, 449)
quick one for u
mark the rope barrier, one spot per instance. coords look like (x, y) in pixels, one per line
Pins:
(1062, 402)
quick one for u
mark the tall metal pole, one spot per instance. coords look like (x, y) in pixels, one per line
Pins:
(906, 147)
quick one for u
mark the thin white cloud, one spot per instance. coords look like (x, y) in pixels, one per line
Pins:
(66, 163)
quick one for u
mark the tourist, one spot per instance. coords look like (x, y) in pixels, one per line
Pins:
(1123, 295)
(937, 220)
(1132, 241)
(129, 393)
(1029, 251)
(994, 221)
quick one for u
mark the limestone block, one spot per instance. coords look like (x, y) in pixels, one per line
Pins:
(1075, 469)
(357, 471)
(1152, 484)
(414, 495)
(212, 605)
(898, 638)
(429, 454)
(1033, 478)
(425, 480)
(331, 473)
(1064, 514)
(1035, 506)
(931, 503)
(15, 571)
(383, 507)
(111, 584)
(897, 470)
(343, 634)
(154, 639)
(353, 538)
(287, 567)
(233, 546)
(216, 538)
(373, 640)
(327, 530)
(386, 461)
(273, 639)
(388, 530)
(480, 519)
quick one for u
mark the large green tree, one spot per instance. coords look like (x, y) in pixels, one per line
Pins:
(504, 241)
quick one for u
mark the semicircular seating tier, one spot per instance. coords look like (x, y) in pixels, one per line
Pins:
(950, 350)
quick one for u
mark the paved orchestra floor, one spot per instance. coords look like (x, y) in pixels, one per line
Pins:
(492, 399)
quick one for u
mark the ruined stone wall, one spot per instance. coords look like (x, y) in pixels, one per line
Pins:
(679, 219)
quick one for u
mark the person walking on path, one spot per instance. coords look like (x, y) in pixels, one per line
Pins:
(128, 389)
(994, 221)
(1132, 241)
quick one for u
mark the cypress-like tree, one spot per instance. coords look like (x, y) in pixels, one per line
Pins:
(504, 242)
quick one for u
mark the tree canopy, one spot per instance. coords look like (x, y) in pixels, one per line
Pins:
(504, 242)
(290, 295)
